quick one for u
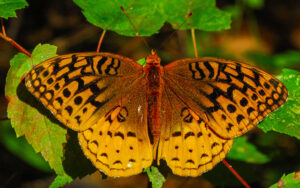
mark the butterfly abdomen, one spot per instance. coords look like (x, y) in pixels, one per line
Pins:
(153, 75)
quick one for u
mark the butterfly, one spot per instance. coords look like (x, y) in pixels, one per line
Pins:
(126, 115)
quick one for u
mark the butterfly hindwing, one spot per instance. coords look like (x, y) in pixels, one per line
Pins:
(188, 145)
(118, 144)
(78, 88)
(234, 96)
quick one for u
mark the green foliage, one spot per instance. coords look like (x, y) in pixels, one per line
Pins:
(8, 7)
(108, 15)
(20, 147)
(60, 181)
(256, 4)
(278, 61)
(205, 16)
(155, 177)
(287, 118)
(142, 62)
(242, 150)
(148, 16)
(44, 135)
(291, 180)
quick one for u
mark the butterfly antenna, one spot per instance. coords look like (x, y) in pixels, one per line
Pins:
(173, 33)
(15, 44)
(136, 30)
(100, 40)
(194, 42)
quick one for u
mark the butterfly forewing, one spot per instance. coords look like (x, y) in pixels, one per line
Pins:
(78, 88)
(232, 97)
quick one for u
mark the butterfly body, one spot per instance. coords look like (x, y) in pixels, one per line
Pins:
(126, 115)
(153, 76)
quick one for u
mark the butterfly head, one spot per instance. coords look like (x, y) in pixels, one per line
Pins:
(153, 59)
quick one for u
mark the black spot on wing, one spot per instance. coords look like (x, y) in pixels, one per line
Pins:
(188, 135)
(244, 101)
(69, 110)
(239, 118)
(204, 155)
(104, 155)
(120, 135)
(199, 134)
(78, 100)
(231, 108)
(190, 161)
(214, 145)
(66, 92)
(117, 162)
(131, 134)
(175, 134)
(249, 110)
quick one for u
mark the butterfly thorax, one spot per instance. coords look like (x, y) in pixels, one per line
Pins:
(153, 73)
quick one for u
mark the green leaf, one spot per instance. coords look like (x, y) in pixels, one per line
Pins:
(256, 4)
(155, 177)
(60, 181)
(287, 118)
(8, 7)
(291, 180)
(148, 16)
(44, 135)
(142, 62)
(205, 14)
(242, 150)
(108, 15)
(20, 147)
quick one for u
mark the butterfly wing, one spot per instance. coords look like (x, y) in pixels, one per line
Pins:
(187, 143)
(231, 97)
(118, 144)
(102, 96)
(79, 88)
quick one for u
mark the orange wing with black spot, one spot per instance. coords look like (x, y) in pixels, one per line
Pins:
(79, 88)
(187, 143)
(118, 143)
(216, 97)
(102, 96)
(233, 95)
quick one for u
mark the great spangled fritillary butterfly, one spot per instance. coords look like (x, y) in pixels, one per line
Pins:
(126, 115)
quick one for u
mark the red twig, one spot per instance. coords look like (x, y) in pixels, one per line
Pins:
(236, 174)
(100, 40)
(194, 42)
(15, 44)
